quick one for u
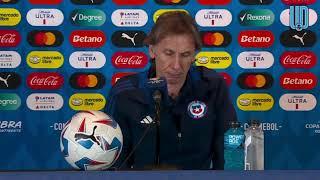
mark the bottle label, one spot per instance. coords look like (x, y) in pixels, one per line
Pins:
(233, 141)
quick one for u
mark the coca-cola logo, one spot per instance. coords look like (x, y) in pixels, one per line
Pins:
(91, 39)
(254, 38)
(302, 59)
(9, 38)
(45, 80)
(298, 81)
(129, 60)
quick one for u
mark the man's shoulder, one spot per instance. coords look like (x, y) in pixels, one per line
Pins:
(204, 74)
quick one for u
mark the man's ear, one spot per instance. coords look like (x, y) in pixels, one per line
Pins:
(151, 52)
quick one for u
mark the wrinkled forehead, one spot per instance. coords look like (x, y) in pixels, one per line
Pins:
(180, 42)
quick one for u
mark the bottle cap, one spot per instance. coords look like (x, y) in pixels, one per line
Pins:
(234, 124)
(254, 122)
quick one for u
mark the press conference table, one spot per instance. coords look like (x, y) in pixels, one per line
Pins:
(163, 175)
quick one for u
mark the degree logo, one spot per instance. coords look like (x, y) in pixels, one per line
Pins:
(44, 38)
(87, 2)
(298, 59)
(293, 38)
(297, 102)
(255, 102)
(255, 38)
(161, 11)
(45, 2)
(9, 101)
(215, 2)
(87, 59)
(128, 38)
(45, 59)
(256, 2)
(90, 101)
(89, 38)
(214, 59)
(9, 59)
(171, 2)
(255, 80)
(213, 17)
(45, 17)
(9, 17)
(298, 81)
(129, 2)
(215, 38)
(255, 60)
(256, 17)
(88, 17)
(87, 80)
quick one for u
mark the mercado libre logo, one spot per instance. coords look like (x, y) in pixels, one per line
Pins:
(92, 80)
(87, 59)
(45, 38)
(90, 101)
(9, 101)
(9, 59)
(261, 80)
(297, 102)
(215, 38)
(256, 17)
(214, 59)
(129, 60)
(45, 59)
(255, 102)
(9, 17)
(87, 2)
(161, 11)
(255, 60)
(298, 59)
(88, 17)
(88, 38)
(44, 102)
(45, 17)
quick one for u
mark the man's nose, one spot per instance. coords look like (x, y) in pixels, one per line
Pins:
(176, 63)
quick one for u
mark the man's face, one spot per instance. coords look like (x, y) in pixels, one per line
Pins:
(173, 57)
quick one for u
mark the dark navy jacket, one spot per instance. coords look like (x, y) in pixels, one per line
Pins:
(186, 141)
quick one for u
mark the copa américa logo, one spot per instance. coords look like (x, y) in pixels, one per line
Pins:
(293, 38)
(9, 59)
(261, 80)
(215, 38)
(45, 2)
(9, 80)
(256, 38)
(93, 80)
(87, 2)
(9, 17)
(118, 76)
(129, 17)
(297, 102)
(8, 1)
(213, 17)
(255, 102)
(129, 60)
(9, 38)
(256, 2)
(88, 101)
(45, 80)
(87, 60)
(44, 102)
(45, 59)
(9, 101)
(298, 17)
(45, 17)
(298, 81)
(45, 38)
(214, 59)
(172, 2)
(298, 59)
(256, 17)
(129, 2)
(87, 38)
(255, 59)
(88, 17)
(128, 38)
(216, 2)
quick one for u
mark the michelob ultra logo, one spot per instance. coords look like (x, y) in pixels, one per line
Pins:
(171, 2)
(45, 59)
(256, 17)
(118, 76)
(9, 38)
(256, 38)
(8, 1)
(45, 2)
(45, 17)
(297, 102)
(213, 17)
(128, 38)
(129, 60)
(214, 59)
(298, 81)
(90, 101)
(9, 80)
(44, 102)
(293, 38)
(215, 38)
(161, 11)
(9, 17)
(88, 17)
(9, 101)
(87, 59)
(298, 17)
(129, 18)
(255, 60)
(129, 2)
(255, 102)
(261, 80)
(92, 80)
(298, 2)
(9, 59)
(215, 2)
(88, 38)
(87, 2)
(256, 2)
(298, 59)
(45, 38)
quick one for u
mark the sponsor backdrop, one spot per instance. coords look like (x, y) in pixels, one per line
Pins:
(61, 56)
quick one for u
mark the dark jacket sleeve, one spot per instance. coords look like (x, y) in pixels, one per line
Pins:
(225, 113)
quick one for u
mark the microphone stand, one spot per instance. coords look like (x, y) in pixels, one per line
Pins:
(157, 99)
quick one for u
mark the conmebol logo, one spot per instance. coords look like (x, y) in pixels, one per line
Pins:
(90, 38)
(298, 81)
(9, 38)
(45, 80)
(129, 60)
(298, 59)
(255, 38)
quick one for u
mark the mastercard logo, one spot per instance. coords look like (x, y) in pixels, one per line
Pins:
(45, 38)
(171, 2)
(8, 1)
(255, 80)
(87, 80)
(216, 38)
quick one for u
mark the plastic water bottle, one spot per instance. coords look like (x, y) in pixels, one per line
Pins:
(233, 147)
(254, 146)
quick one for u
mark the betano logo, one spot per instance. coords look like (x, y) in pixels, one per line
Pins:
(213, 17)
(8, 1)
(255, 102)
(171, 2)
(129, 18)
(129, 60)
(87, 2)
(298, 59)
(90, 101)
(92, 80)
(297, 102)
(44, 102)
(214, 59)
(298, 81)
(45, 17)
(45, 59)
(129, 2)
(298, 19)
(9, 17)
(261, 80)
(9, 38)
(256, 17)
(45, 2)
(88, 17)
(9, 101)
(215, 2)
(256, 38)
(298, 2)
(256, 2)
(118, 76)
(255, 60)
(88, 38)
(9, 59)
(87, 59)
(45, 38)
(161, 11)
(215, 38)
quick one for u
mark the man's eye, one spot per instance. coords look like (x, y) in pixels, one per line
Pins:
(186, 55)
(168, 53)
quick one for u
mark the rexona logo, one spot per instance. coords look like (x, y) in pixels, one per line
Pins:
(45, 2)
(298, 59)
(89, 38)
(293, 38)
(215, 38)
(8, 1)
(216, 2)
(213, 17)
(9, 80)
(161, 11)
(9, 101)
(44, 102)
(10, 127)
(214, 59)
(9, 38)
(129, 2)
(118, 76)
(256, 17)
(298, 17)
(226, 77)
(92, 80)
(45, 17)
(255, 38)
(129, 18)
(128, 38)
(9, 59)
(260, 80)
(9, 17)
(45, 59)
(87, 2)
(256, 2)
(45, 80)
(298, 2)
(90, 101)
(129, 60)
(298, 81)
(255, 60)
(88, 17)
(255, 102)
(87, 59)
(172, 2)
(45, 38)
(297, 102)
